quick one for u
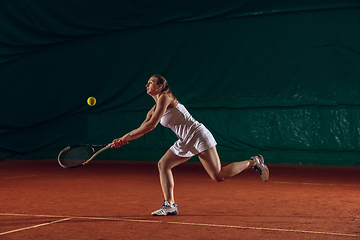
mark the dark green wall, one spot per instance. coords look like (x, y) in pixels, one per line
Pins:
(280, 79)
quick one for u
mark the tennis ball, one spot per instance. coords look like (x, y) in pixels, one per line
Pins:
(91, 101)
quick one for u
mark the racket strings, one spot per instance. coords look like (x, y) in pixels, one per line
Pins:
(75, 156)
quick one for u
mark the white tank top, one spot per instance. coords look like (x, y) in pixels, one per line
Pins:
(180, 121)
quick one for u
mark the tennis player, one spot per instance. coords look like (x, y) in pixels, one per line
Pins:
(194, 139)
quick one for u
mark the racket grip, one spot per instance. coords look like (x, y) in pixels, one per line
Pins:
(101, 150)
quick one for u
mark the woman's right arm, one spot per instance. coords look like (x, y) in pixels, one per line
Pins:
(148, 116)
(122, 141)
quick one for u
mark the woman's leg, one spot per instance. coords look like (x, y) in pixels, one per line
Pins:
(166, 163)
(211, 162)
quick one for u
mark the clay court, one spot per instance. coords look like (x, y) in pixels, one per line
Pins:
(114, 199)
(277, 78)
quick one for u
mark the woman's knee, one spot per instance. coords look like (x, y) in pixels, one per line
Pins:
(164, 165)
(217, 178)
(170, 160)
(161, 165)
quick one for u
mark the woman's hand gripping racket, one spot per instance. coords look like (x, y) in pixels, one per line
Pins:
(79, 155)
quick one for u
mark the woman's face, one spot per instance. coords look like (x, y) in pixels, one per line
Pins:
(152, 88)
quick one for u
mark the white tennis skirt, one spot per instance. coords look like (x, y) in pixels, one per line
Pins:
(195, 142)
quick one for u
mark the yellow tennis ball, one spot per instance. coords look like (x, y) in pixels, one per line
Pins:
(91, 101)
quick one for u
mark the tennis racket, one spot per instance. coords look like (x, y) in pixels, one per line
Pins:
(79, 155)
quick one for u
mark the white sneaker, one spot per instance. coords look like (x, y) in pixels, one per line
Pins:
(166, 209)
(260, 167)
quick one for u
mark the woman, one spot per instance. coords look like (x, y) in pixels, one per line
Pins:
(194, 139)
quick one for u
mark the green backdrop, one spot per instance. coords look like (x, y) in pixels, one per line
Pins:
(280, 78)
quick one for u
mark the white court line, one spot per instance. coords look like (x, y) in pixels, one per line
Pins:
(268, 229)
(35, 226)
(26, 176)
(319, 184)
(184, 223)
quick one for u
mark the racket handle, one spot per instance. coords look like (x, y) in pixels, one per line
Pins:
(101, 150)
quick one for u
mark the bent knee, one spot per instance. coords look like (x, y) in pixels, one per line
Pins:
(160, 165)
(217, 178)
(163, 166)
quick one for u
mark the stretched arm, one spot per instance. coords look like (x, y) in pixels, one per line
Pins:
(151, 121)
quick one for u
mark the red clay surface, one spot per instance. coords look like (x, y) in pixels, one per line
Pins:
(114, 199)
